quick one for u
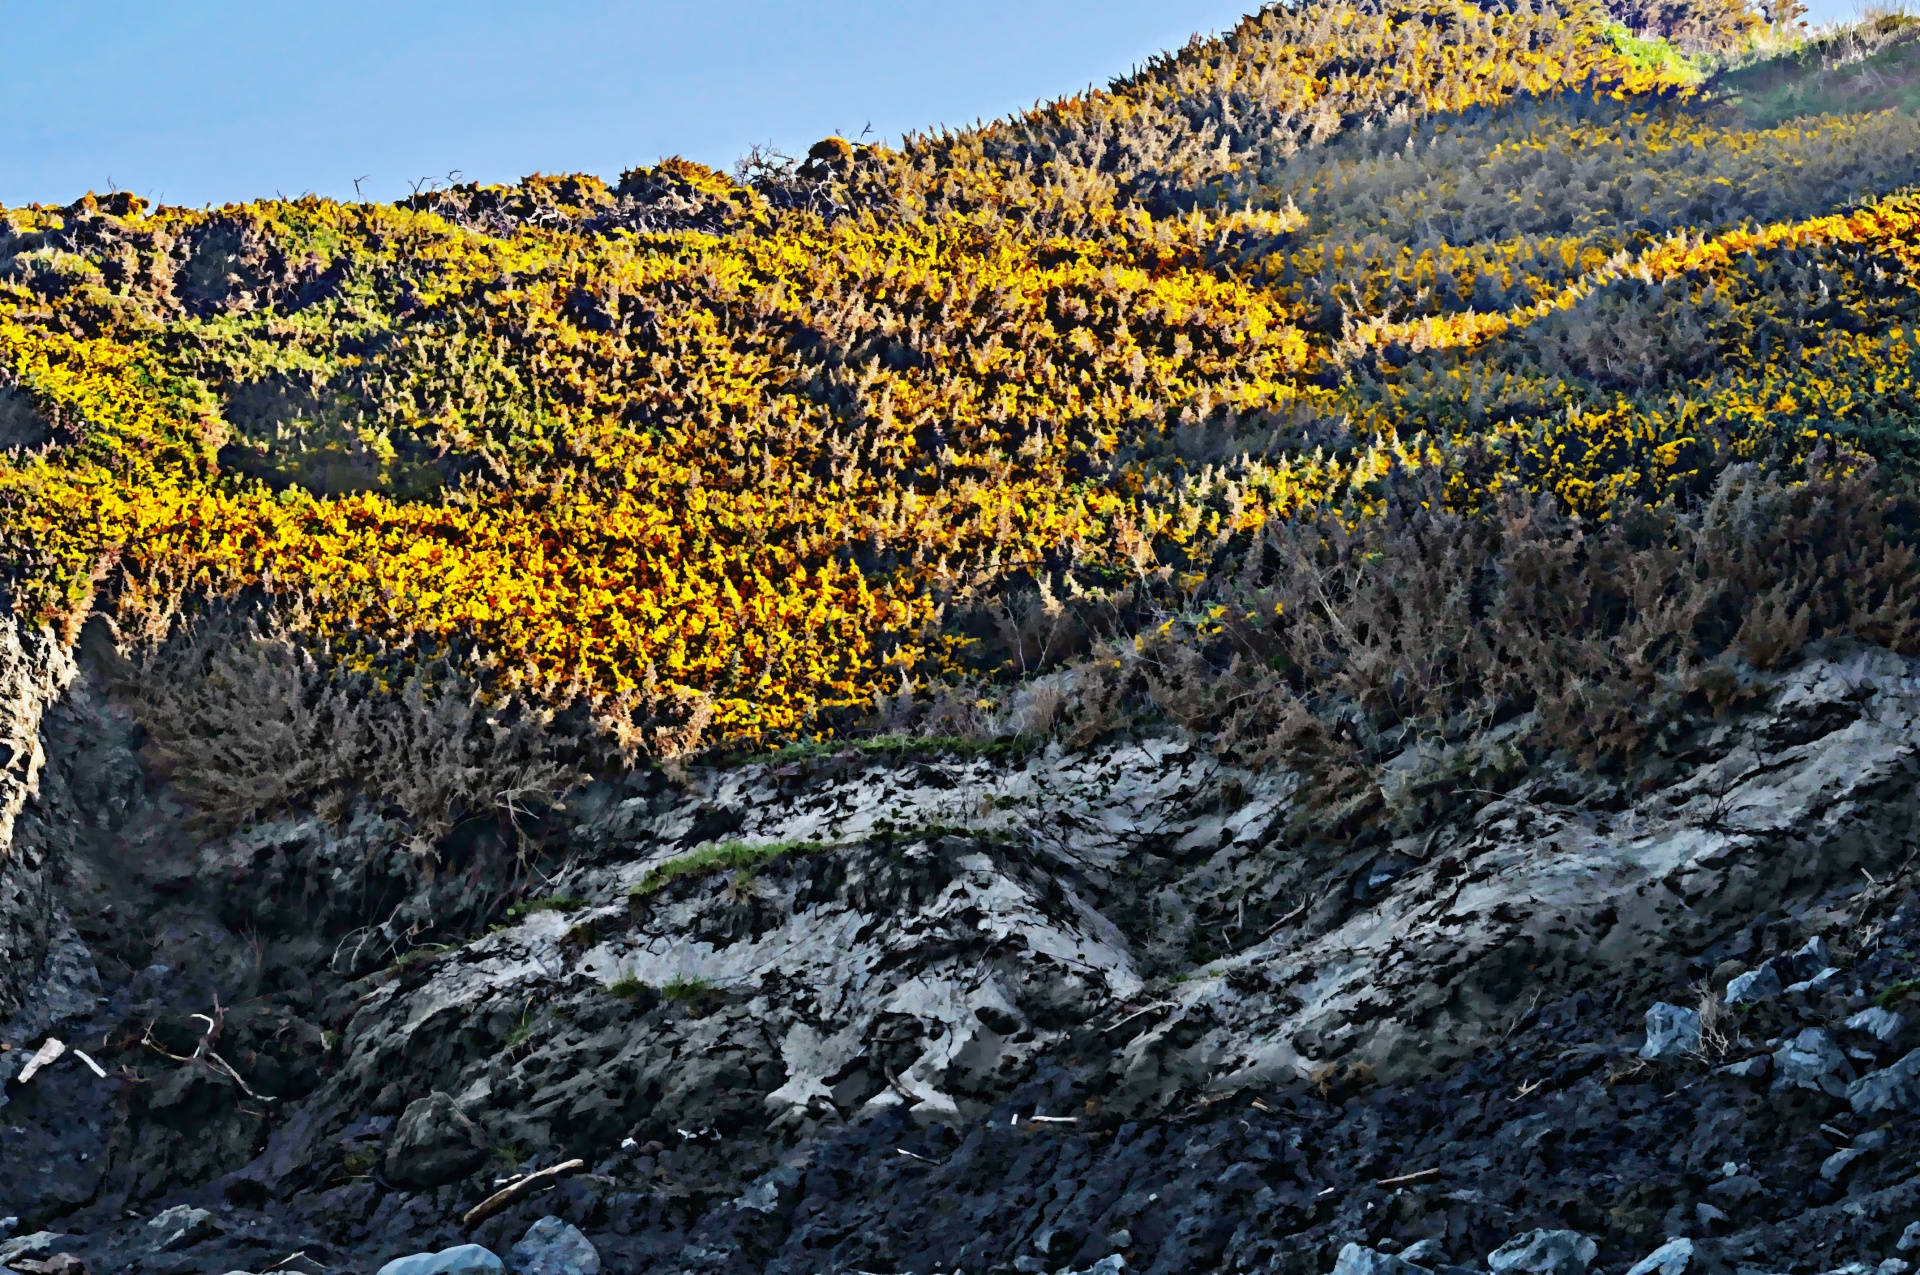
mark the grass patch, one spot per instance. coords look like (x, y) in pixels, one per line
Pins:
(745, 859)
(627, 987)
(522, 1033)
(555, 903)
(1893, 995)
(733, 856)
(415, 955)
(684, 991)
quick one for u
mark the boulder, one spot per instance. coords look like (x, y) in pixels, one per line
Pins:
(1672, 1031)
(1113, 1265)
(1826, 980)
(1675, 1257)
(554, 1247)
(467, 1259)
(1736, 1188)
(1811, 1060)
(1423, 1253)
(1895, 1087)
(1812, 959)
(1545, 1253)
(38, 1244)
(179, 1227)
(1358, 1259)
(1755, 985)
(434, 1144)
(1882, 1024)
(1836, 1164)
(1752, 1069)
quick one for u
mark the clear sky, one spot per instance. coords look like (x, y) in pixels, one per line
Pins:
(197, 101)
(204, 101)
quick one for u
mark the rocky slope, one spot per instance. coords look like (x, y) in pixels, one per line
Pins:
(1015, 1011)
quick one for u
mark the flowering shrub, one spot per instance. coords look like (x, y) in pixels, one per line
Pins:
(724, 458)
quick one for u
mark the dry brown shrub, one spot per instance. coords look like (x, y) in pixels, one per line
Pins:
(1335, 644)
(248, 720)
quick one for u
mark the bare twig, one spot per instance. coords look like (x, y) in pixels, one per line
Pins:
(1521, 1017)
(1408, 1179)
(204, 1054)
(502, 1198)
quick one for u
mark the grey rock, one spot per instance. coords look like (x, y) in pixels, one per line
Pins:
(1358, 1259)
(1882, 1024)
(1812, 958)
(1893, 1266)
(8, 1225)
(1055, 1242)
(1424, 1252)
(1752, 1069)
(434, 1144)
(1836, 1164)
(772, 1189)
(178, 1227)
(1672, 1031)
(1895, 1087)
(1812, 1060)
(1708, 1215)
(1909, 1238)
(1755, 985)
(1675, 1257)
(1825, 980)
(1735, 1189)
(466, 1259)
(1112, 1265)
(552, 1246)
(39, 1244)
(1544, 1253)
(1872, 1140)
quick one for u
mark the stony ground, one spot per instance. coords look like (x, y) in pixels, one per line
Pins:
(1015, 1012)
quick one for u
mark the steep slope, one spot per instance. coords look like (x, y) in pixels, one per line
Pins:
(1168, 681)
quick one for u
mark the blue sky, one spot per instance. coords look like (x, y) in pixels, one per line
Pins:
(198, 101)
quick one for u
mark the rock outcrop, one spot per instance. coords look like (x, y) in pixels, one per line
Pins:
(34, 669)
(1031, 1010)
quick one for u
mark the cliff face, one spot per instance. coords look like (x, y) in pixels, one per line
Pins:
(34, 670)
(915, 1013)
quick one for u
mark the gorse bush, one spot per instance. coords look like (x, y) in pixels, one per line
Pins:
(863, 440)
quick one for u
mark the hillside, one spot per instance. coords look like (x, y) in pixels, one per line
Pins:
(1269, 611)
